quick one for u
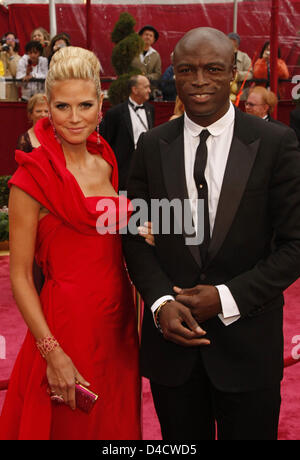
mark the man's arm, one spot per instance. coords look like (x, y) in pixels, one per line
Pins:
(143, 265)
(22, 67)
(256, 288)
(145, 271)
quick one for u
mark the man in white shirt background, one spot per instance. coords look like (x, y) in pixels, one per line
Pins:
(32, 66)
(212, 342)
(123, 124)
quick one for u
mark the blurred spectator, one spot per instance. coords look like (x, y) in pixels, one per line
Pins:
(243, 63)
(167, 83)
(58, 41)
(178, 109)
(295, 121)
(124, 123)
(149, 62)
(37, 108)
(32, 65)
(261, 69)
(9, 56)
(42, 36)
(261, 103)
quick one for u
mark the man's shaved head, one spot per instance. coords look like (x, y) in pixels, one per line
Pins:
(204, 34)
(204, 69)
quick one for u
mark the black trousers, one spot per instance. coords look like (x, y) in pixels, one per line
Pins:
(197, 411)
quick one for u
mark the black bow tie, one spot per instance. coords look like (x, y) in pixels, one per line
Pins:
(136, 107)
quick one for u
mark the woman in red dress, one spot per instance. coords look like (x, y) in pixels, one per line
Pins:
(83, 326)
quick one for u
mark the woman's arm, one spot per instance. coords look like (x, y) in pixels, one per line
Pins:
(283, 71)
(23, 219)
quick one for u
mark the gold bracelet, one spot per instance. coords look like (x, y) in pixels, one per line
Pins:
(46, 344)
(157, 312)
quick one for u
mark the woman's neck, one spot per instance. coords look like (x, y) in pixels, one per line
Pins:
(75, 154)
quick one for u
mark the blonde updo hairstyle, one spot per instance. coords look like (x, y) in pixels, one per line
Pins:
(73, 63)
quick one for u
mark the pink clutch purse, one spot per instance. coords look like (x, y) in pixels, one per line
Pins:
(85, 398)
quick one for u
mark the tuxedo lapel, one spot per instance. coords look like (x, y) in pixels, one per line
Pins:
(172, 159)
(241, 158)
(127, 118)
(149, 117)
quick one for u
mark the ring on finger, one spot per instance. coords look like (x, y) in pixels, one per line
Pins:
(59, 399)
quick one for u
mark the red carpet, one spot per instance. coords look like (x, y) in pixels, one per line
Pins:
(13, 330)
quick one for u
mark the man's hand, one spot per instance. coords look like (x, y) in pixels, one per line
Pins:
(179, 326)
(202, 300)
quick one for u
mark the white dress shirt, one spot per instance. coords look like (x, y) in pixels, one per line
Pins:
(38, 71)
(137, 126)
(218, 146)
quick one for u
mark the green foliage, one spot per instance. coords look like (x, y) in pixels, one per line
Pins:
(118, 90)
(128, 45)
(124, 53)
(124, 27)
(4, 226)
(4, 191)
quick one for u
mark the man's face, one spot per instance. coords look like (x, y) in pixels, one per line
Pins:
(34, 56)
(148, 37)
(256, 106)
(203, 71)
(143, 89)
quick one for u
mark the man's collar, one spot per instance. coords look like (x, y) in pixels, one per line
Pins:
(215, 128)
(133, 102)
(150, 51)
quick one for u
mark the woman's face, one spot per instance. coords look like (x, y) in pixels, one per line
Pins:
(38, 36)
(11, 40)
(74, 108)
(40, 110)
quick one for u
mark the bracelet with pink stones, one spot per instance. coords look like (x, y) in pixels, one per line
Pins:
(46, 344)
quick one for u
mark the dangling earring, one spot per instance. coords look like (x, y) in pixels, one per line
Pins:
(53, 127)
(98, 128)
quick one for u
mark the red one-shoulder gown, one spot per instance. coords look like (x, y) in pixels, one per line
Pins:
(87, 301)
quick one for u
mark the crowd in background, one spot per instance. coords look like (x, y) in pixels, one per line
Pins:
(31, 69)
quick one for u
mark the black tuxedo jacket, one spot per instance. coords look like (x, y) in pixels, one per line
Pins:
(295, 121)
(116, 128)
(254, 251)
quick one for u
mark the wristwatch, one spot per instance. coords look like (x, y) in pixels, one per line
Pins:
(157, 313)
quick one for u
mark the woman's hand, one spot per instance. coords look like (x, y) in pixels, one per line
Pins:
(61, 375)
(146, 232)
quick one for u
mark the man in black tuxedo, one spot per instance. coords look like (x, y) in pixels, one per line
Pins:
(123, 124)
(262, 102)
(295, 121)
(212, 337)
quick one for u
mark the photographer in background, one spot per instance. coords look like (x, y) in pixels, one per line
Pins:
(9, 56)
(32, 65)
